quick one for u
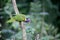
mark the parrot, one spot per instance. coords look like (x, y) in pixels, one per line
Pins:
(20, 17)
(17, 17)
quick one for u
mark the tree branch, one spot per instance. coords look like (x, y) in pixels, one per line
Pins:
(15, 6)
(21, 23)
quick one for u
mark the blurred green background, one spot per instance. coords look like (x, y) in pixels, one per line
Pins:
(44, 16)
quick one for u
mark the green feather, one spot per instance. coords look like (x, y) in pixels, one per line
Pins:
(11, 20)
(19, 17)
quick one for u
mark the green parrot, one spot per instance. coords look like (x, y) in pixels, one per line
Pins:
(18, 17)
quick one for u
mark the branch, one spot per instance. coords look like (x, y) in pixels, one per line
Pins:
(15, 6)
(23, 30)
(21, 23)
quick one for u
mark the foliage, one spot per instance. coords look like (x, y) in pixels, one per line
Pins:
(40, 26)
